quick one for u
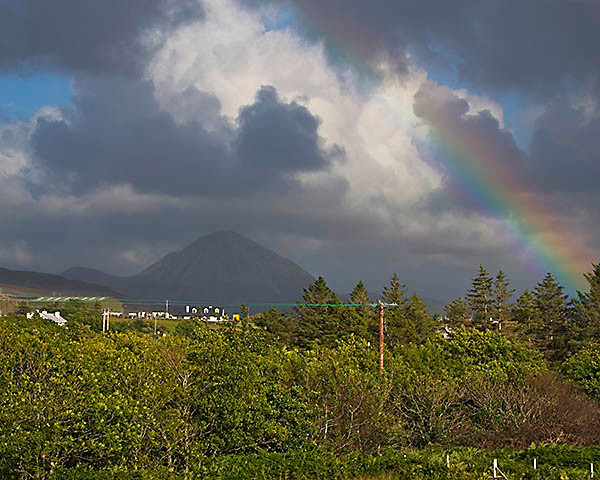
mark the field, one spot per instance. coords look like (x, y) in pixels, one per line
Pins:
(161, 323)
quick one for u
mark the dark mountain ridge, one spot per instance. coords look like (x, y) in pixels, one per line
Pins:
(223, 266)
(59, 285)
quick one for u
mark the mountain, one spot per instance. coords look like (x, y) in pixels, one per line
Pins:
(15, 280)
(223, 266)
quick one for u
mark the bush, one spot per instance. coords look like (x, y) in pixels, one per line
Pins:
(584, 368)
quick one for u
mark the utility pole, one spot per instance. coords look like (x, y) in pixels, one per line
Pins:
(380, 336)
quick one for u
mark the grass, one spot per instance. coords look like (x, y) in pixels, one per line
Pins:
(169, 325)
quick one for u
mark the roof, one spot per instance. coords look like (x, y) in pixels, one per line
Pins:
(55, 317)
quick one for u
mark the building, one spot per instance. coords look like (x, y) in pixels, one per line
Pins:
(54, 317)
(208, 313)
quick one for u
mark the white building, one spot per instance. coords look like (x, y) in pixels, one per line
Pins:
(54, 317)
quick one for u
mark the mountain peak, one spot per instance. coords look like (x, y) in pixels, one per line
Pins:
(220, 266)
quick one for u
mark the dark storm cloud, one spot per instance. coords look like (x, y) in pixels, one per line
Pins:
(88, 35)
(277, 136)
(565, 151)
(525, 45)
(117, 134)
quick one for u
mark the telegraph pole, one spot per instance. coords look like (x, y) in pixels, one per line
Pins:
(380, 336)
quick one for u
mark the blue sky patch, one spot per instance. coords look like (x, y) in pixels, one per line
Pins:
(22, 96)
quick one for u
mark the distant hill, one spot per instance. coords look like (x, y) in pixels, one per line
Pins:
(218, 267)
(16, 281)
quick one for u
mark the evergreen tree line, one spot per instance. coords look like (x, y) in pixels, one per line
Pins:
(324, 319)
(545, 317)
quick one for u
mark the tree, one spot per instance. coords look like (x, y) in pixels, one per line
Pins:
(319, 318)
(525, 312)
(319, 293)
(361, 320)
(501, 296)
(278, 325)
(480, 298)
(584, 368)
(587, 310)
(457, 312)
(420, 322)
(395, 292)
(360, 297)
(550, 328)
(22, 308)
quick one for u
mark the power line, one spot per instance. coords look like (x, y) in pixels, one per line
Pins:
(228, 303)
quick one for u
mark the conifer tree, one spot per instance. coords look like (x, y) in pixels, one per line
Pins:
(395, 292)
(480, 298)
(319, 321)
(551, 328)
(457, 312)
(360, 297)
(360, 320)
(395, 319)
(319, 293)
(421, 324)
(587, 309)
(525, 311)
(502, 295)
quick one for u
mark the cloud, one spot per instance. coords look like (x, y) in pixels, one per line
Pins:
(86, 35)
(565, 148)
(501, 45)
(233, 124)
(116, 134)
(469, 146)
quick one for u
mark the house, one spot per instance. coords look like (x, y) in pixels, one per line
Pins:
(213, 314)
(446, 332)
(54, 317)
(208, 313)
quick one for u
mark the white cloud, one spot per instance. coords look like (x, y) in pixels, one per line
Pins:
(479, 103)
(232, 54)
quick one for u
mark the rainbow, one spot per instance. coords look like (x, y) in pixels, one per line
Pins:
(489, 182)
(484, 176)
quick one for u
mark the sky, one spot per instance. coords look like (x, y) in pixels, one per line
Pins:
(356, 138)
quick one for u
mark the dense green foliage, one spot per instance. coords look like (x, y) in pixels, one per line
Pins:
(553, 463)
(584, 368)
(299, 395)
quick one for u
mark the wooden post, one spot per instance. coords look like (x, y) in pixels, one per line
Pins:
(380, 336)
(495, 468)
